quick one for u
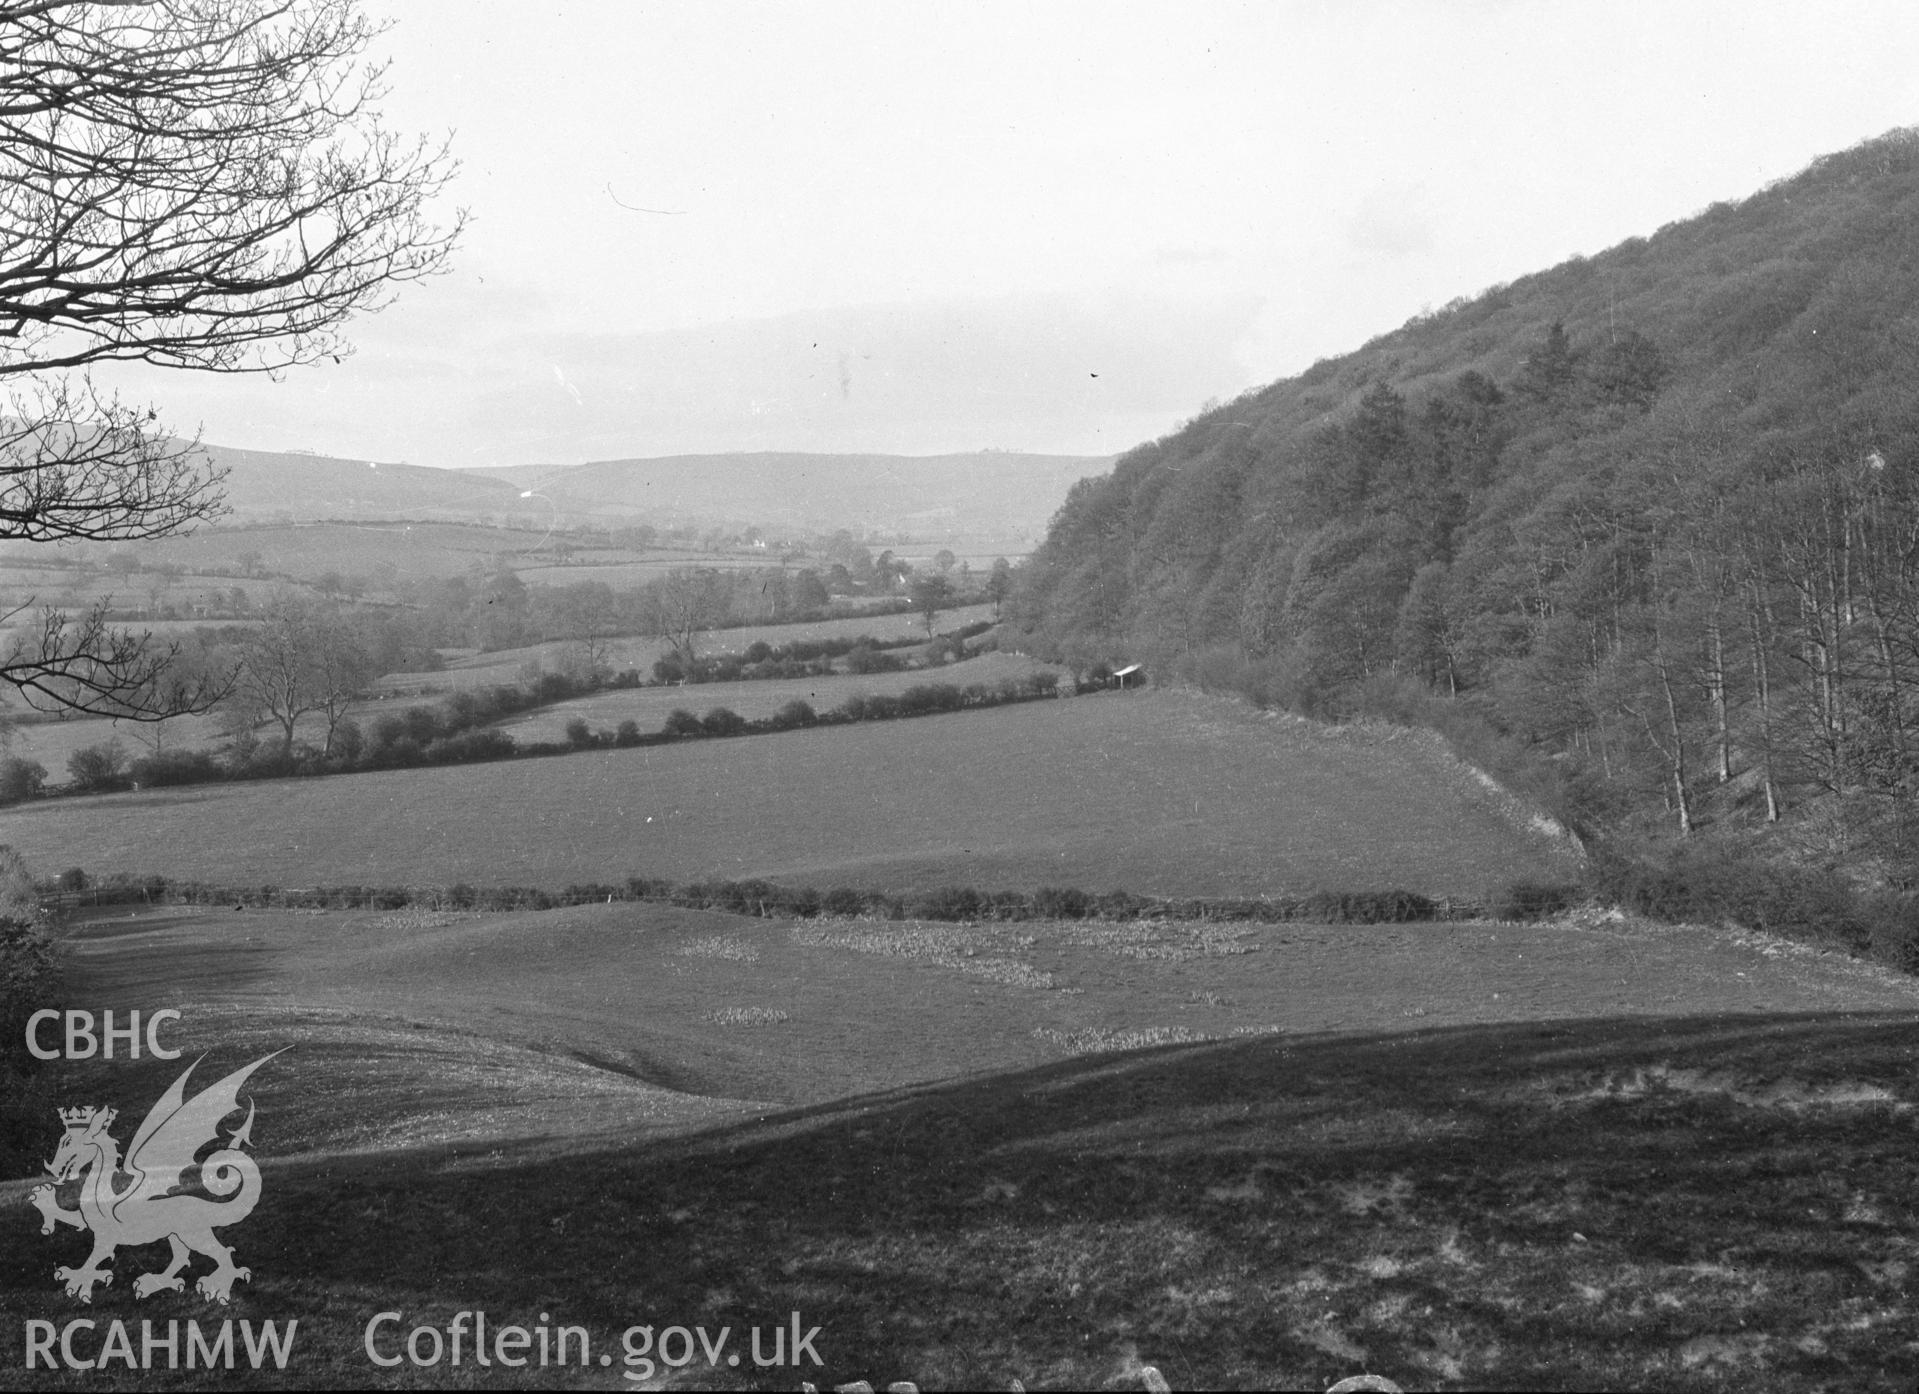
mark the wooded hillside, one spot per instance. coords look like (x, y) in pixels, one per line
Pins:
(1653, 514)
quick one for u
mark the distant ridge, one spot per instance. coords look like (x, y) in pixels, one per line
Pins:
(986, 492)
(264, 484)
(986, 495)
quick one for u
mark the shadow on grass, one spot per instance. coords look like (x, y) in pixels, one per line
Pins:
(1690, 1203)
(188, 952)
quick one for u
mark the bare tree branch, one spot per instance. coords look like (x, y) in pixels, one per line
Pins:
(87, 665)
(200, 184)
(75, 464)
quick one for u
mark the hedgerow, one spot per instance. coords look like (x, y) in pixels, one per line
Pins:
(1717, 883)
(772, 899)
(460, 730)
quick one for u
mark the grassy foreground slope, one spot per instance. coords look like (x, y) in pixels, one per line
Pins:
(794, 1012)
(1703, 1183)
(1162, 792)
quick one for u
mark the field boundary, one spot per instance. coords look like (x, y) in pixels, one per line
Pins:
(430, 737)
(74, 890)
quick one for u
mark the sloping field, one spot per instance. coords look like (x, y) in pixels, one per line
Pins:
(411, 551)
(1590, 1154)
(726, 1007)
(650, 706)
(52, 742)
(1160, 792)
(503, 665)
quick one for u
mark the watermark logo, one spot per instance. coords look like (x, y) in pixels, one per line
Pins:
(143, 1199)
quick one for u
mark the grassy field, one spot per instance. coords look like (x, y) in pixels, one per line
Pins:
(52, 742)
(407, 551)
(476, 669)
(1160, 792)
(75, 588)
(649, 706)
(1586, 1154)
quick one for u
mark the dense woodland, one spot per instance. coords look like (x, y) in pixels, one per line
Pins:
(1651, 516)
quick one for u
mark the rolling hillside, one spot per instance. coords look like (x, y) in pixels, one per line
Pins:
(1160, 792)
(991, 501)
(988, 494)
(1588, 1154)
(264, 485)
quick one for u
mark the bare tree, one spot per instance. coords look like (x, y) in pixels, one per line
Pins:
(930, 595)
(999, 584)
(302, 658)
(58, 662)
(589, 614)
(201, 184)
(683, 603)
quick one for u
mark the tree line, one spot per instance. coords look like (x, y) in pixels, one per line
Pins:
(461, 729)
(1650, 518)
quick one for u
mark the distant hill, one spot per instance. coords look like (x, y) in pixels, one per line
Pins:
(1653, 514)
(987, 493)
(297, 487)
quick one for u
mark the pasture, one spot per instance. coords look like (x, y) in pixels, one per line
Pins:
(1591, 1153)
(474, 668)
(377, 551)
(51, 741)
(650, 706)
(1159, 792)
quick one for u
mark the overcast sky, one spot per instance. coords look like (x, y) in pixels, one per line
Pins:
(919, 228)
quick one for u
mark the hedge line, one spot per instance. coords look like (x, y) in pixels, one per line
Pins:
(809, 658)
(765, 898)
(1716, 883)
(450, 733)
(30, 979)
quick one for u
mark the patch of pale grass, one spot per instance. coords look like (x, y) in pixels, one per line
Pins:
(1373, 1197)
(1449, 1250)
(1746, 1348)
(1788, 1093)
(1446, 1359)
(1329, 1338)
(1169, 941)
(747, 1016)
(415, 918)
(1240, 1192)
(958, 947)
(1096, 1040)
(726, 946)
(1309, 1284)
(1890, 1273)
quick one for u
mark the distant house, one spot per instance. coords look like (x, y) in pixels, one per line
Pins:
(1133, 674)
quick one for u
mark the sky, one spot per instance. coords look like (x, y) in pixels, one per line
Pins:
(1053, 227)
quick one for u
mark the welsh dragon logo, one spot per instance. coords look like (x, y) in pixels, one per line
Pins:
(149, 1203)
